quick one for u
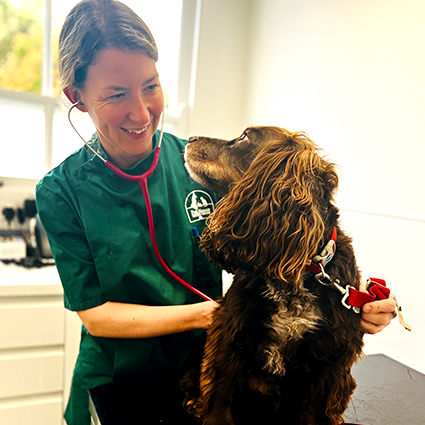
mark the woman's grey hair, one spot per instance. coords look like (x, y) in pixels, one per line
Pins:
(94, 25)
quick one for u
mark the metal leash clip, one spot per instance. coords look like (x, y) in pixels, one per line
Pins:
(324, 279)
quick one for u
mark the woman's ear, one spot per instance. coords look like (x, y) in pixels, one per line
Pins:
(74, 96)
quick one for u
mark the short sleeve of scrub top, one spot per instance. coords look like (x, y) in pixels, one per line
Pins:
(67, 239)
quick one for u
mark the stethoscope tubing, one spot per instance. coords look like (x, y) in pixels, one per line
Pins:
(142, 180)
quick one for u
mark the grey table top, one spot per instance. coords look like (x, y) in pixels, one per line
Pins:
(388, 393)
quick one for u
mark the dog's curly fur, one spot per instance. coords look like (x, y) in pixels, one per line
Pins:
(281, 345)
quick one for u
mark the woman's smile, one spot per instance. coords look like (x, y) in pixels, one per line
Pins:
(137, 132)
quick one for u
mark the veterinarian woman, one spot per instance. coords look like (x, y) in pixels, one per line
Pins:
(140, 324)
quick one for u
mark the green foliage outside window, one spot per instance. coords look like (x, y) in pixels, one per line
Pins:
(21, 46)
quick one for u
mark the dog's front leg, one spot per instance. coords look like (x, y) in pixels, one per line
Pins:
(218, 373)
(216, 386)
(328, 407)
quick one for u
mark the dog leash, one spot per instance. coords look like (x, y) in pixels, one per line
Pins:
(377, 290)
(352, 298)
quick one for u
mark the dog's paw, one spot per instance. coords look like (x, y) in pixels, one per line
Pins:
(191, 407)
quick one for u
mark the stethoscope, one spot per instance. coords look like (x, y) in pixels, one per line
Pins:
(143, 183)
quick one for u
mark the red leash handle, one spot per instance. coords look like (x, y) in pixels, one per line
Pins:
(377, 290)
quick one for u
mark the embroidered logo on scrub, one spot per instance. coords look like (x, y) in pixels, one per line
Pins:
(199, 205)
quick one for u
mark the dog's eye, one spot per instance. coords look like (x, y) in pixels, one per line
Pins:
(234, 141)
(243, 137)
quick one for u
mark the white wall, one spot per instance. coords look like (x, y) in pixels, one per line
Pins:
(220, 87)
(351, 74)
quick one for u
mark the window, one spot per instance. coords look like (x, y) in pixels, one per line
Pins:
(37, 135)
(21, 45)
(22, 141)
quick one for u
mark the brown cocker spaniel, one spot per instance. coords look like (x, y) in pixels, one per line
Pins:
(282, 344)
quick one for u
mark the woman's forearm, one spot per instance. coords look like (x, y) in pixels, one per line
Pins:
(120, 320)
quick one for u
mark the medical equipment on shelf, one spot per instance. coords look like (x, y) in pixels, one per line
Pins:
(143, 183)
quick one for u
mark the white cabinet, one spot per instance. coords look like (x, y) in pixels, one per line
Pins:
(38, 346)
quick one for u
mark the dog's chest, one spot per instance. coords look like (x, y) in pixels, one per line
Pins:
(295, 313)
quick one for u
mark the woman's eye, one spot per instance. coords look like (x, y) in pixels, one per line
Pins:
(116, 96)
(152, 87)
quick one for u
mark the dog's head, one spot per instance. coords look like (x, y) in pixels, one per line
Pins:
(278, 203)
(217, 164)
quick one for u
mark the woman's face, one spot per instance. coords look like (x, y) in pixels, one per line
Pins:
(124, 99)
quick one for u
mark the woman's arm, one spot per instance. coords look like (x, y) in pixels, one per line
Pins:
(120, 320)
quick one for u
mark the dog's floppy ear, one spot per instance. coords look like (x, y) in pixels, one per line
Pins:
(272, 219)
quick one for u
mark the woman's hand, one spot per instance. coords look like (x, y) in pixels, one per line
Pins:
(207, 313)
(377, 314)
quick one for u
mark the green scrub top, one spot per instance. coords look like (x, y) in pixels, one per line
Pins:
(98, 230)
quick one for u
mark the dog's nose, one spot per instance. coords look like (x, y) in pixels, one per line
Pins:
(192, 139)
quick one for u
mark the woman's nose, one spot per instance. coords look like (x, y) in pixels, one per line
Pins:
(139, 110)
